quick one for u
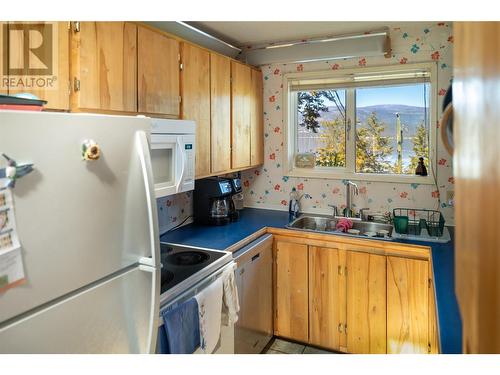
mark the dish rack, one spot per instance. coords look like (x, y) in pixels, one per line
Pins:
(411, 221)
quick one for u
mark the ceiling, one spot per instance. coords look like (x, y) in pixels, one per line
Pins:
(244, 33)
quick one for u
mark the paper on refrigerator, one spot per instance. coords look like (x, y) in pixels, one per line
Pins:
(11, 261)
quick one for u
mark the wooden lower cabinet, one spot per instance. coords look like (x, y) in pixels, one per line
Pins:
(357, 301)
(407, 305)
(325, 297)
(291, 298)
(366, 303)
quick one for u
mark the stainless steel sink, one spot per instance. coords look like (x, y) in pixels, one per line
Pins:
(327, 225)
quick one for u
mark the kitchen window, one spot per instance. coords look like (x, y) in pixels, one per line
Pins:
(364, 123)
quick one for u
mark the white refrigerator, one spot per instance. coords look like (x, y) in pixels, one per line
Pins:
(88, 233)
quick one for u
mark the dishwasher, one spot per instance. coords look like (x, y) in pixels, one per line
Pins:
(254, 279)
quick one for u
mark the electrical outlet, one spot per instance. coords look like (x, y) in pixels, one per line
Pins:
(450, 198)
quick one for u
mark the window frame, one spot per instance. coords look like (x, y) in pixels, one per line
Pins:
(291, 123)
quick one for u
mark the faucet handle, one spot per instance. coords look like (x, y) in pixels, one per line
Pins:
(335, 209)
(362, 214)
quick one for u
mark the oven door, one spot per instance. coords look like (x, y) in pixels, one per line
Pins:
(167, 163)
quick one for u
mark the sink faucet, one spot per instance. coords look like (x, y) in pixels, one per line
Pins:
(348, 211)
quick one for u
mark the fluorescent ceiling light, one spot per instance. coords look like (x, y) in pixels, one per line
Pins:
(207, 35)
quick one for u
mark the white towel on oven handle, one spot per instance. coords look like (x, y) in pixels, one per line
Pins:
(231, 304)
(210, 309)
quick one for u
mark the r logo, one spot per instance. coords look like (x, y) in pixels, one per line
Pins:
(30, 47)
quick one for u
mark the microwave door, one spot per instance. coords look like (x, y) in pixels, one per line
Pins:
(164, 154)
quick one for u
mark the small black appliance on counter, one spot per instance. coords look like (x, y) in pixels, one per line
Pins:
(212, 201)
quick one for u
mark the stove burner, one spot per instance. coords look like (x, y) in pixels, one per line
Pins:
(187, 258)
(166, 276)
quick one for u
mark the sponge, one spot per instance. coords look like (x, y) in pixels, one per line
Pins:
(343, 225)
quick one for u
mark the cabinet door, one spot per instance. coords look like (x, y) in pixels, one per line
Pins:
(195, 84)
(257, 120)
(291, 315)
(104, 61)
(220, 105)
(54, 52)
(407, 305)
(241, 78)
(366, 303)
(325, 294)
(158, 73)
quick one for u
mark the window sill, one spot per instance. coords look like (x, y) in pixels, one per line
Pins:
(342, 175)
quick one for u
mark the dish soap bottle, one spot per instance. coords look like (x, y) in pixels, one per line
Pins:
(294, 205)
(421, 170)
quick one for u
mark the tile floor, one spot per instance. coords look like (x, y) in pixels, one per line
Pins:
(280, 346)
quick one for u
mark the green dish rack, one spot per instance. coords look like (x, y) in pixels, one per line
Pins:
(412, 221)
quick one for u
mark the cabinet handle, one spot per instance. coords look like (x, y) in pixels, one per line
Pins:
(76, 84)
(340, 327)
(255, 257)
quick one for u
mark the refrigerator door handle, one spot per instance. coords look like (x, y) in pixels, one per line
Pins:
(150, 264)
(147, 173)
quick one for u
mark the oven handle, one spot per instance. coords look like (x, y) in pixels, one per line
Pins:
(183, 168)
(190, 293)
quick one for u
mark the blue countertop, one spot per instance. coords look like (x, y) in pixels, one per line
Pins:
(252, 220)
(221, 237)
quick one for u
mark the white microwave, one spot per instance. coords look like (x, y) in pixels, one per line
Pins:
(173, 149)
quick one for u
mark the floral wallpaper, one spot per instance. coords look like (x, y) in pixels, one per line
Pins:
(267, 187)
(173, 210)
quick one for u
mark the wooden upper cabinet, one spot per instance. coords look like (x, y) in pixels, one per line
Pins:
(291, 277)
(195, 87)
(407, 305)
(366, 303)
(158, 73)
(241, 76)
(220, 112)
(325, 297)
(104, 66)
(257, 120)
(52, 54)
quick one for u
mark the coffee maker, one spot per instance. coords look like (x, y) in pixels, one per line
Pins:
(212, 201)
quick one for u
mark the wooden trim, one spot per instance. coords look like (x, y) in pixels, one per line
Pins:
(247, 240)
(352, 244)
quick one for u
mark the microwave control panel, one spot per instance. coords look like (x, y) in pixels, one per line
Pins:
(189, 151)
